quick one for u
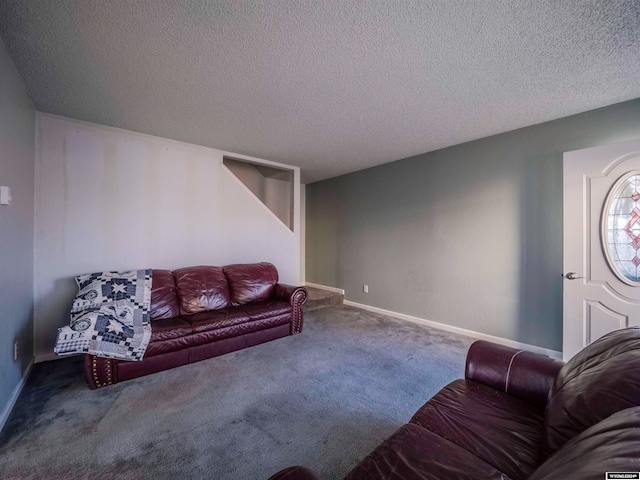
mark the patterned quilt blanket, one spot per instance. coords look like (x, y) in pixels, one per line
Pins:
(109, 316)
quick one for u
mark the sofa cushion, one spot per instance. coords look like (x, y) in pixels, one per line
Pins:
(413, 452)
(600, 380)
(611, 445)
(201, 289)
(251, 282)
(266, 309)
(498, 428)
(169, 328)
(226, 317)
(164, 298)
(168, 346)
(238, 329)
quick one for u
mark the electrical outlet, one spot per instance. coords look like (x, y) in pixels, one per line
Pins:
(15, 351)
(5, 195)
(365, 288)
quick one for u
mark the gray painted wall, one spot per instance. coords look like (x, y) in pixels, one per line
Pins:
(17, 159)
(469, 236)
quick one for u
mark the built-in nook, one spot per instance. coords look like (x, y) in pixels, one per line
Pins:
(272, 186)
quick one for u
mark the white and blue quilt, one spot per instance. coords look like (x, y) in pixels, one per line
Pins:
(109, 316)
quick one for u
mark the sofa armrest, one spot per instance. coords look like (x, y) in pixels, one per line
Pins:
(290, 293)
(99, 372)
(523, 374)
(296, 296)
(295, 473)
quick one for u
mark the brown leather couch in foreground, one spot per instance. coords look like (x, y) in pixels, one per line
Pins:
(518, 415)
(201, 312)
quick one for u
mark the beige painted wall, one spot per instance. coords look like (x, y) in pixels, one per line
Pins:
(109, 199)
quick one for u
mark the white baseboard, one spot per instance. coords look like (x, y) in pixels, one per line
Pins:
(324, 287)
(4, 416)
(47, 357)
(462, 331)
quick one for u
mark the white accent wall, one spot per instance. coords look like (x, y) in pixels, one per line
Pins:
(110, 199)
(274, 192)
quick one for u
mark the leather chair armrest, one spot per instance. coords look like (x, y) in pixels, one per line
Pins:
(296, 296)
(289, 293)
(523, 374)
(295, 473)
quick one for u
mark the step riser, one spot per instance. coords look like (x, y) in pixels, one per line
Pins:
(319, 298)
(313, 305)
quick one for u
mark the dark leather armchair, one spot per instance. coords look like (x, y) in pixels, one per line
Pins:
(517, 415)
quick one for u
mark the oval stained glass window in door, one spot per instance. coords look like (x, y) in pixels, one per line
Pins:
(621, 228)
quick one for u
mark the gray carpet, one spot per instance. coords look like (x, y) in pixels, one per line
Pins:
(323, 399)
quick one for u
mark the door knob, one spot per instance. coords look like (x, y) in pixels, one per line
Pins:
(572, 276)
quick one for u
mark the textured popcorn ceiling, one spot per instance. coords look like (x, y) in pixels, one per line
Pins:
(331, 86)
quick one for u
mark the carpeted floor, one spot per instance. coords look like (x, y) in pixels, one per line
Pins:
(323, 399)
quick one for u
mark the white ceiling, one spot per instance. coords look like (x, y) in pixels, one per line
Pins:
(331, 86)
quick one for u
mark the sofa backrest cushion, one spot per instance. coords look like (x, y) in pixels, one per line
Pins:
(610, 445)
(251, 282)
(201, 289)
(600, 380)
(164, 298)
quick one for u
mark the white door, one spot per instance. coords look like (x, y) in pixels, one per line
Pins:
(601, 243)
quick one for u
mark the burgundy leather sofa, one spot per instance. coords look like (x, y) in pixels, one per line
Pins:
(518, 415)
(201, 312)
